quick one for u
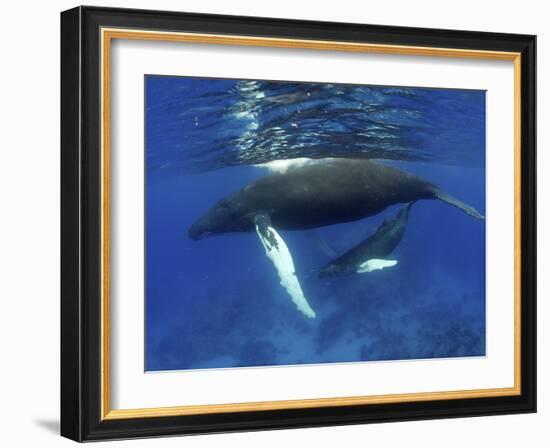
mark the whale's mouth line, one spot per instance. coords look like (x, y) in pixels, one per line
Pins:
(200, 236)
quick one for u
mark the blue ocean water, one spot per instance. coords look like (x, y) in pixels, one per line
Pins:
(218, 303)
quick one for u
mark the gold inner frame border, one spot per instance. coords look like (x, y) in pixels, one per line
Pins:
(107, 36)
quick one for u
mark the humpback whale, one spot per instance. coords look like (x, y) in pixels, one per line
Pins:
(322, 193)
(372, 253)
(313, 194)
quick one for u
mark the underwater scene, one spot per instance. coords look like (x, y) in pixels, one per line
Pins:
(297, 223)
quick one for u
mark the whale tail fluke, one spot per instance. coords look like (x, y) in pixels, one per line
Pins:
(458, 204)
(405, 210)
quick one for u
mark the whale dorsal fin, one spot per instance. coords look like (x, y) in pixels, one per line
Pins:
(375, 264)
(277, 251)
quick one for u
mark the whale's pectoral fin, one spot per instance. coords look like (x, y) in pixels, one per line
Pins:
(375, 264)
(277, 251)
(265, 231)
(323, 246)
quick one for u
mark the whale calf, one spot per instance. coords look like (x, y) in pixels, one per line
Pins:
(372, 253)
(309, 195)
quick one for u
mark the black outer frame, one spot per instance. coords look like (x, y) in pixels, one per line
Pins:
(80, 224)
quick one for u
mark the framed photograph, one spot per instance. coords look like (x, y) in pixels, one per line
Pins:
(275, 224)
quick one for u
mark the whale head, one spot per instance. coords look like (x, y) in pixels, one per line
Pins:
(221, 218)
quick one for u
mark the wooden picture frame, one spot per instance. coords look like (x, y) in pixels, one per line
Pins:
(86, 36)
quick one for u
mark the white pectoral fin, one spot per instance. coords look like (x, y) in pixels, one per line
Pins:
(277, 251)
(375, 265)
